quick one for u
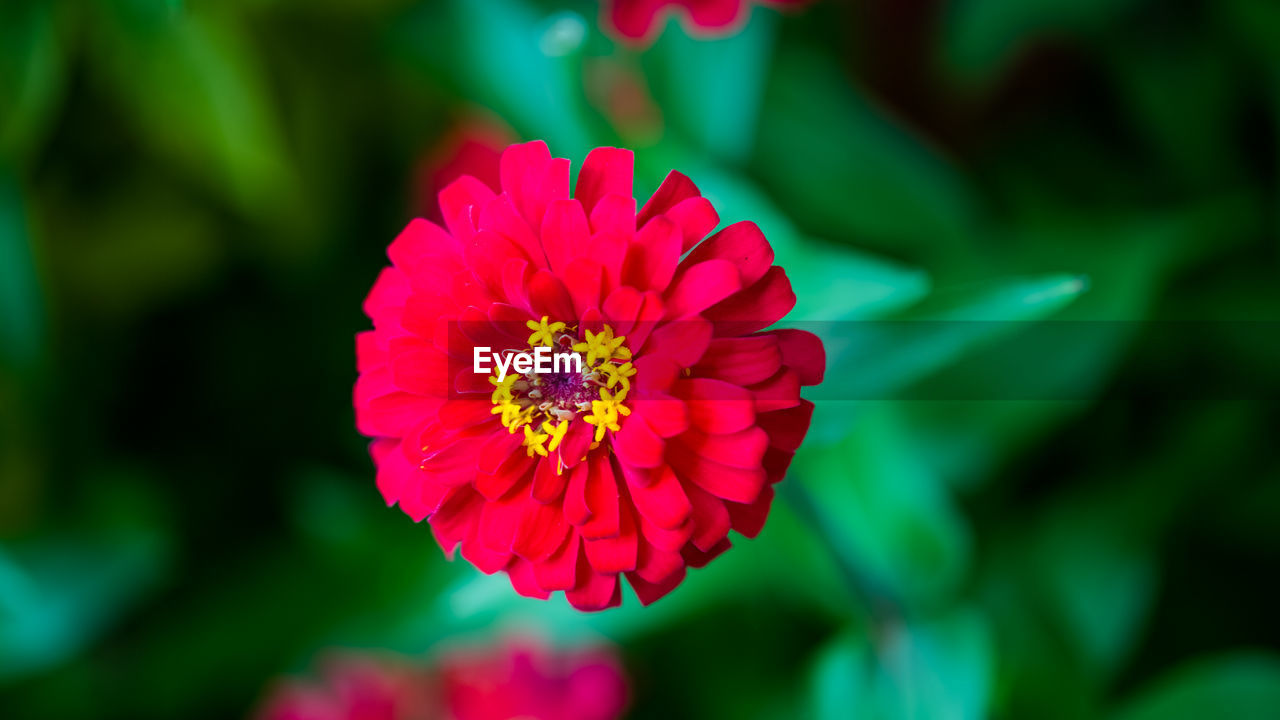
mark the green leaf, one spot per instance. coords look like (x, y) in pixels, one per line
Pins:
(21, 308)
(849, 172)
(981, 37)
(32, 75)
(1240, 686)
(881, 511)
(711, 90)
(1092, 563)
(877, 359)
(133, 247)
(58, 595)
(831, 281)
(512, 58)
(935, 670)
(197, 92)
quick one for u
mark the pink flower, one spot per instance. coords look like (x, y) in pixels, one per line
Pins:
(529, 682)
(518, 680)
(355, 687)
(639, 20)
(682, 416)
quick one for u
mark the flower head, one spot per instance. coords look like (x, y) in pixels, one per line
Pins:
(639, 20)
(668, 429)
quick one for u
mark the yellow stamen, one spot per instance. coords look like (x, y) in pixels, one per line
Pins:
(543, 333)
(555, 432)
(533, 441)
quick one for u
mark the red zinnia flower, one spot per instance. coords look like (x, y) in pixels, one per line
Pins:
(512, 681)
(681, 417)
(637, 20)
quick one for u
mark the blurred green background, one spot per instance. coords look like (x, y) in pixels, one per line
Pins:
(195, 197)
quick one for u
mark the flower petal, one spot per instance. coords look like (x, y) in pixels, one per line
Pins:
(663, 500)
(615, 554)
(602, 499)
(564, 232)
(548, 485)
(684, 340)
(804, 353)
(779, 392)
(743, 245)
(710, 518)
(695, 217)
(460, 204)
(749, 519)
(524, 581)
(755, 308)
(533, 179)
(702, 286)
(637, 444)
(651, 258)
(715, 406)
(594, 591)
(540, 531)
(697, 558)
(674, 189)
(560, 570)
(740, 360)
(787, 428)
(605, 171)
(548, 296)
(648, 593)
(731, 483)
(584, 278)
(743, 449)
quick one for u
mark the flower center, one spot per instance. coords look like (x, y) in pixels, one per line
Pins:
(544, 404)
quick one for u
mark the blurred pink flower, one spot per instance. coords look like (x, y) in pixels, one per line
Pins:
(639, 21)
(356, 687)
(514, 680)
(527, 681)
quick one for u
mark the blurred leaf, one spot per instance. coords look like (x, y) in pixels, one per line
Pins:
(21, 311)
(837, 282)
(31, 76)
(1099, 579)
(1071, 588)
(877, 359)
(1257, 24)
(132, 247)
(983, 36)
(1155, 75)
(885, 516)
(197, 91)
(849, 171)
(711, 90)
(1239, 686)
(512, 58)
(58, 595)
(1047, 373)
(830, 280)
(22, 366)
(936, 670)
